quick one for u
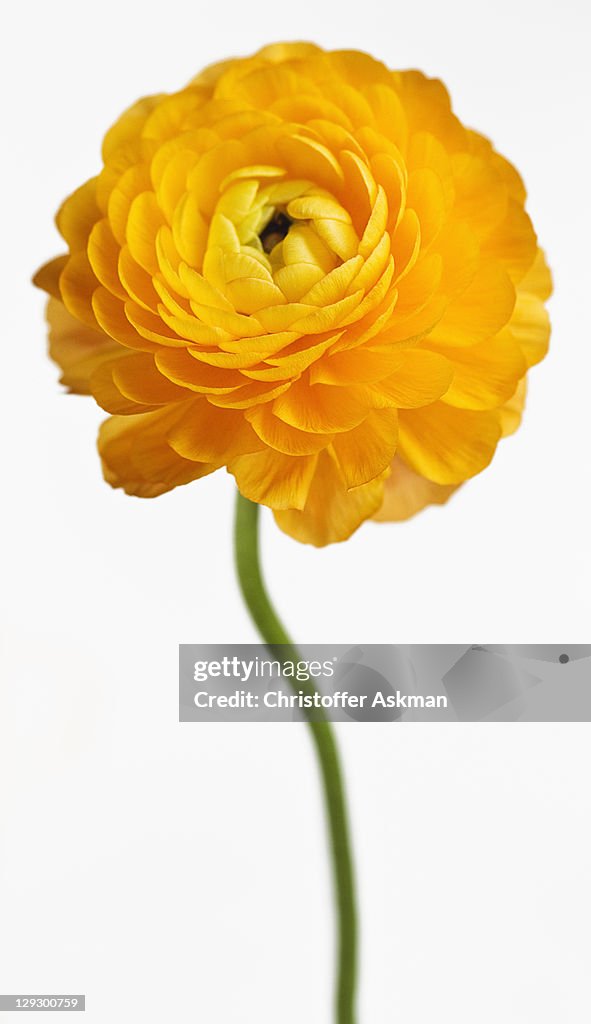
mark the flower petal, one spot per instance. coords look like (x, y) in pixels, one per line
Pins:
(530, 326)
(283, 438)
(319, 408)
(406, 493)
(136, 456)
(422, 378)
(77, 349)
(485, 375)
(480, 311)
(270, 478)
(205, 433)
(331, 512)
(538, 280)
(366, 451)
(48, 276)
(448, 445)
(511, 413)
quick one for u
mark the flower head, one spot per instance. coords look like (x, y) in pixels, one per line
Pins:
(302, 267)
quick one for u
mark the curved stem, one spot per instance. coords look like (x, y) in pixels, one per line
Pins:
(280, 644)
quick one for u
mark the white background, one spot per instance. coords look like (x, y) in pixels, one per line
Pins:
(177, 873)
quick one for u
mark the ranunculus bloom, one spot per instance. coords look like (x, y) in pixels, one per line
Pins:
(304, 268)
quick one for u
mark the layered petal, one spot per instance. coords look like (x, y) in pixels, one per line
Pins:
(407, 492)
(448, 445)
(76, 348)
(332, 511)
(136, 456)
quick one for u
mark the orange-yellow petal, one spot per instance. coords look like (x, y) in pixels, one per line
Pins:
(207, 434)
(136, 456)
(365, 452)
(76, 348)
(422, 378)
(48, 276)
(332, 512)
(448, 445)
(283, 438)
(510, 414)
(271, 478)
(485, 375)
(406, 493)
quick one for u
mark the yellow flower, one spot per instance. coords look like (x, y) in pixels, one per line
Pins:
(304, 268)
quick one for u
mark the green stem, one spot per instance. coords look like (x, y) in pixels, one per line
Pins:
(280, 644)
